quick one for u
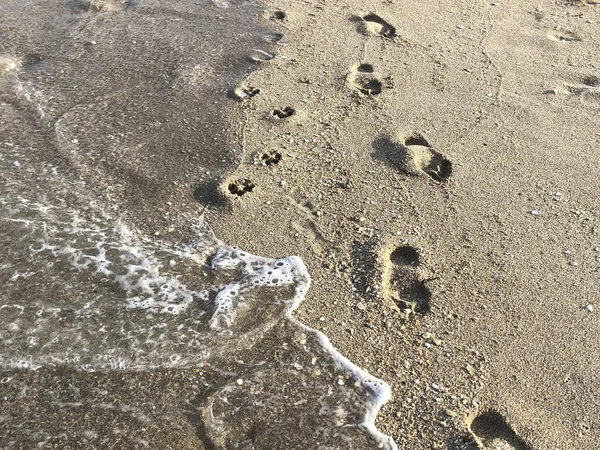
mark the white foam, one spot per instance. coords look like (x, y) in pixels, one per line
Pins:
(143, 269)
(257, 272)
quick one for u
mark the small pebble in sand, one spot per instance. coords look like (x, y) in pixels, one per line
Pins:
(535, 212)
(590, 308)
(573, 263)
(240, 381)
(426, 335)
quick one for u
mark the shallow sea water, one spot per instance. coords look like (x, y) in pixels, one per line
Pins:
(106, 109)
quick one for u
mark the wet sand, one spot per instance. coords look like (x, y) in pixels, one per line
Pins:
(435, 165)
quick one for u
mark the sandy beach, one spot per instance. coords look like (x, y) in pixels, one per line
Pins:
(435, 165)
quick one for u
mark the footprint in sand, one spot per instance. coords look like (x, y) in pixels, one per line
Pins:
(110, 5)
(362, 78)
(414, 156)
(589, 87)
(491, 432)
(273, 38)
(258, 56)
(563, 36)
(271, 158)
(403, 280)
(85, 6)
(278, 15)
(591, 80)
(240, 187)
(245, 92)
(284, 113)
(371, 23)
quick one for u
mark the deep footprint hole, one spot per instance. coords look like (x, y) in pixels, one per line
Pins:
(369, 86)
(241, 187)
(365, 68)
(251, 92)
(439, 168)
(278, 15)
(271, 158)
(416, 296)
(387, 30)
(405, 256)
(416, 140)
(284, 113)
(591, 80)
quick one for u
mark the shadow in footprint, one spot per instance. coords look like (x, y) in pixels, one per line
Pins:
(492, 431)
(362, 78)
(413, 155)
(405, 256)
(591, 80)
(278, 15)
(284, 113)
(271, 158)
(403, 282)
(241, 187)
(371, 23)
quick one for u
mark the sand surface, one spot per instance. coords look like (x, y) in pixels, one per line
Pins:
(436, 165)
(507, 245)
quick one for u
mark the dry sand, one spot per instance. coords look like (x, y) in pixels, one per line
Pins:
(466, 135)
(437, 167)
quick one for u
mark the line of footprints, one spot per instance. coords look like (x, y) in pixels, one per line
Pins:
(412, 154)
(404, 276)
